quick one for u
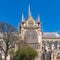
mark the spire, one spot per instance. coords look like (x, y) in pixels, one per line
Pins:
(22, 17)
(29, 12)
(38, 18)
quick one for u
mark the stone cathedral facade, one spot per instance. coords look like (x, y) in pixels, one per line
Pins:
(47, 44)
(31, 32)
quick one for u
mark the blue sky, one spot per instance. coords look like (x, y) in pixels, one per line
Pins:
(49, 10)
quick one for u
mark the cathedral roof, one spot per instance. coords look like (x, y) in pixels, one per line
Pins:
(50, 35)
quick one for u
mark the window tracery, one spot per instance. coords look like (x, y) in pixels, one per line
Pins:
(31, 38)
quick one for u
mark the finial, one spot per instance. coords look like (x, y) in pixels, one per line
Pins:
(29, 12)
(22, 17)
(38, 18)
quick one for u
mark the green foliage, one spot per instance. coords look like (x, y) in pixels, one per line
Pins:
(26, 53)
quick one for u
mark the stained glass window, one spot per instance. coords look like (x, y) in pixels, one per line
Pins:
(31, 37)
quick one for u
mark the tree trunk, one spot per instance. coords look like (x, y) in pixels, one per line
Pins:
(0, 56)
(5, 57)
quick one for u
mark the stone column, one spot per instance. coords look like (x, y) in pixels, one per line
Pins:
(52, 47)
(58, 45)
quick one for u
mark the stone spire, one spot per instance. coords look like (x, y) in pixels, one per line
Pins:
(38, 18)
(29, 11)
(22, 17)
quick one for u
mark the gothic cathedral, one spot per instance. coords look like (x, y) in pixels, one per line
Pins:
(47, 44)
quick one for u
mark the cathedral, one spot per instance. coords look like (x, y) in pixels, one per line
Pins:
(47, 44)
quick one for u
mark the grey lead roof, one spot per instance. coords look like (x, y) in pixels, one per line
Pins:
(50, 35)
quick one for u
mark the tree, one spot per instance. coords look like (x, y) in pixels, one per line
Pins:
(26, 53)
(9, 37)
